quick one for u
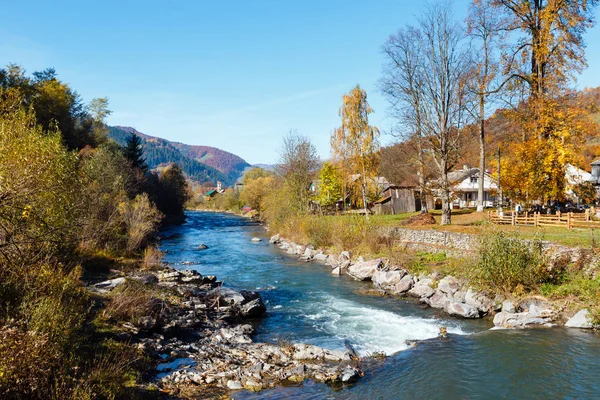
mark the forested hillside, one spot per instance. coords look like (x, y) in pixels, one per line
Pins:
(196, 161)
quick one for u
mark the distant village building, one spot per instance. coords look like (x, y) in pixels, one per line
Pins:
(465, 188)
(397, 200)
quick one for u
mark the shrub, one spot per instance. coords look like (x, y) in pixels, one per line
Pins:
(141, 220)
(505, 261)
(133, 300)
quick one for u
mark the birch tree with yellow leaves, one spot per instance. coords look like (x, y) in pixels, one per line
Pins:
(355, 143)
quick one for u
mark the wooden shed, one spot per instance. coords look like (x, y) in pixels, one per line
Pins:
(398, 200)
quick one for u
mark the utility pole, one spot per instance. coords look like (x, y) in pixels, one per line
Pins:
(500, 200)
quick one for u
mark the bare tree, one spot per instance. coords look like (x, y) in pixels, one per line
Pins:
(401, 83)
(444, 78)
(298, 165)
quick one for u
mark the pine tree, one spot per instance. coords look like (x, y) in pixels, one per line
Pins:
(134, 151)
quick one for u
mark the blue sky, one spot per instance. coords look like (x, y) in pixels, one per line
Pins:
(237, 75)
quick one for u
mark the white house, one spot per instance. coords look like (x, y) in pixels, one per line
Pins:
(465, 187)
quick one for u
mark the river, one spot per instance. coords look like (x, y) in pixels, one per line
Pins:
(306, 304)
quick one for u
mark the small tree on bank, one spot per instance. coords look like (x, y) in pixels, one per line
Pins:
(134, 152)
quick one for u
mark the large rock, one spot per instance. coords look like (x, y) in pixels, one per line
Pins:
(321, 257)
(227, 295)
(422, 288)
(310, 352)
(520, 320)
(365, 270)
(438, 300)
(275, 239)
(350, 375)
(336, 271)
(256, 239)
(461, 309)
(107, 286)
(508, 306)
(580, 320)
(253, 309)
(479, 300)
(405, 284)
(386, 279)
(448, 285)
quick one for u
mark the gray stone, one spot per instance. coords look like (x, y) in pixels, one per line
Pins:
(227, 295)
(386, 279)
(448, 285)
(344, 255)
(202, 247)
(350, 375)
(365, 270)
(320, 257)
(336, 271)
(405, 284)
(422, 289)
(479, 300)
(107, 286)
(461, 309)
(255, 240)
(275, 239)
(580, 320)
(520, 320)
(438, 300)
(234, 385)
(459, 296)
(508, 306)
(253, 309)
(310, 352)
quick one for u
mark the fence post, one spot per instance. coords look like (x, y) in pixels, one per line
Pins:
(536, 219)
(512, 216)
(489, 216)
(587, 214)
(569, 220)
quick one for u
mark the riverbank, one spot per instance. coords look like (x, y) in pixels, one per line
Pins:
(198, 334)
(456, 294)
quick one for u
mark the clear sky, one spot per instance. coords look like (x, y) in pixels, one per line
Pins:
(237, 75)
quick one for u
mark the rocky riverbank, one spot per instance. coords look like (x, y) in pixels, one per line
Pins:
(453, 295)
(201, 340)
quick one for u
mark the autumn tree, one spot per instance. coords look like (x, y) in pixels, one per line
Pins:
(297, 166)
(485, 28)
(402, 84)
(330, 185)
(355, 143)
(99, 111)
(541, 62)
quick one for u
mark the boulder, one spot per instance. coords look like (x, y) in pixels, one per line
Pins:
(508, 306)
(255, 240)
(461, 309)
(146, 279)
(580, 320)
(405, 284)
(386, 279)
(344, 256)
(350, 375)
(520, 320)
(310, 352)
(422, 289)
(365, 270)
(107, 286)
(459, 296)
(448, 285)
(438, 300)
(253, 309)
(479, 300)
(320, 257)
(234, 385)
(202, 247)
(336, 271)
(275, 239)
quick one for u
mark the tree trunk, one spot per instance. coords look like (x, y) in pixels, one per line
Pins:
(480, 192)
(364, 196)
(500, 199)
(446, 206)
(422, 189)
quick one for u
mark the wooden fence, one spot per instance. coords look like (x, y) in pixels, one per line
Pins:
(566, 220)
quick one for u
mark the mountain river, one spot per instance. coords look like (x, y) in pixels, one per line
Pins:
(306, 304)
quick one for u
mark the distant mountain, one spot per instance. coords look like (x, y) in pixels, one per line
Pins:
(200, 163)
(226, 162)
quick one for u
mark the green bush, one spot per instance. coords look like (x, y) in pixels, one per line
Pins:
(506, 262)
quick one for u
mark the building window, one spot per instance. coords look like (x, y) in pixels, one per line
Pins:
(473, 179)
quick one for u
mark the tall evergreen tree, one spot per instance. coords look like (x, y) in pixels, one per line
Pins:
(134, 152)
